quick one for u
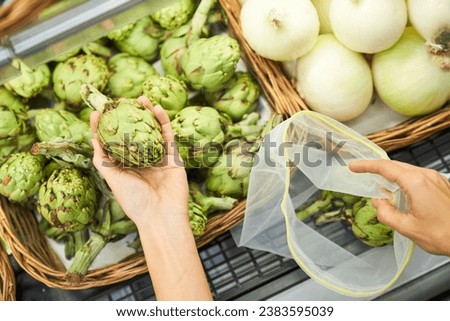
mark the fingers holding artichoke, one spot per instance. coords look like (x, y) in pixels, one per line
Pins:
(128, 131)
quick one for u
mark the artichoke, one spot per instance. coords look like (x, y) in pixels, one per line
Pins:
(358, 212)
(67, 200)
(128, 74)
(15, 133)
(199, 133)
(366, 227)
(135, 40)
(209, 63)
(197, 219)
(174, 48)
(238, 98)
(174, 15)
(54, 125)
(169, 92)
(231, 173)
(21, 175)
(31, 81)
(72, 73)
(128, 131)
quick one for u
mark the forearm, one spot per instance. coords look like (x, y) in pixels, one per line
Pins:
(173, 261)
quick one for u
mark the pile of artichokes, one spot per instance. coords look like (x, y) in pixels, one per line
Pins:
(45, 137)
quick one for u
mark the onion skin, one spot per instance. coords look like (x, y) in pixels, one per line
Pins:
(368, 26)
(407, 79)
(280, 30)
(333, 80)
(431, 19)
(323, 10)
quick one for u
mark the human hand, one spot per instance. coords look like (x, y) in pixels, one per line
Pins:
(427, 222)
(158, 193)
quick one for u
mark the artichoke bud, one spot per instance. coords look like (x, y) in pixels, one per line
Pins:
(68, 199)
(128, 74)
(13, 114)
(199, 133)
(31, 81)
(69, 75)
(135, 40)
(128, 131)
(366, 226)
(54, 125)
(172, 51)
(174, 15)
(197, 219)
(169, 92)
(209, 63)
(21, 175)
(238, 98)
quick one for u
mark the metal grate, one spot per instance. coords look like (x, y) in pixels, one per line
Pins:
(243, 274)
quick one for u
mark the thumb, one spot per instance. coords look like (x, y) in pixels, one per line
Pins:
(388, 214)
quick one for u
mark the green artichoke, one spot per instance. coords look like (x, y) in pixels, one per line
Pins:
(231, 173)
(169, 92)
(209, 63)
(358, 212)
(21, 175)
(135, 40)
(128, 131)
(128, 74)
(54, 125)
(238, 98)
(197, 219)
(15, 133)
(366, 227)
(247, 129)
(174, 48)
(85, 114)
(67, 200)
(31, 81)
(172, 51)
(175, 15)
(199, 133)
(72, 73)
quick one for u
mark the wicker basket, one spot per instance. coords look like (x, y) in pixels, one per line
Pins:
(18, 13)
(7, 278)
(282, 95)
(34, 254)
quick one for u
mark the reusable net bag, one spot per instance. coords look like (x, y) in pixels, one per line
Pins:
(304, 154)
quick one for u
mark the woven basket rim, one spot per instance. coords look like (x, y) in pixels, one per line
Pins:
(7, 278)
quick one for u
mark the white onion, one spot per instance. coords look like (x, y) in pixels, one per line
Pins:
(431, 19)
(323, 10)
(280, 30)
(407, 79)
(368, 26)
(333, 80)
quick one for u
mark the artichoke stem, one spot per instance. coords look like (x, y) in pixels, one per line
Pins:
(321, 204)
(122, 228)
(248, 132)
(334, 216)
(80, 238)
(249, 119)
(84, 258)
(199, 19)
(210, 204)
(65, 152)
(69, 246)
(94, 98)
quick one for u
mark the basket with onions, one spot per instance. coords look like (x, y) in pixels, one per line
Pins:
(340, 54)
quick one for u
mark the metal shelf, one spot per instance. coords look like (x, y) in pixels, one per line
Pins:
(86, 22)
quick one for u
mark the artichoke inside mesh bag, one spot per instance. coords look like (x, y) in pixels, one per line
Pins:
(302, 156)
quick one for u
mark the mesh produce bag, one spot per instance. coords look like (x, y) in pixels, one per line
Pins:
(307, 153)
